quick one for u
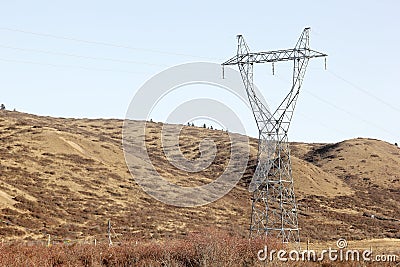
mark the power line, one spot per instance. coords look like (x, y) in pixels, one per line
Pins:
(161, 52)
(323, 100)
(320, 122)
(348, 112)
(363, 90)
(352, 84)
(65, 66)
(103, 43)
(78, 56)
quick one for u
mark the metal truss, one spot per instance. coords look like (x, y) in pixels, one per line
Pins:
(274, 209)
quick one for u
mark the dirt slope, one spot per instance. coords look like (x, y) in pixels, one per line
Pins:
(67, 177)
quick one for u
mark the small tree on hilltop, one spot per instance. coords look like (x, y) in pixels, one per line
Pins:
(2, 107)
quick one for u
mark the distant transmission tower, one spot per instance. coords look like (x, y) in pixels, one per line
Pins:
(274, 210)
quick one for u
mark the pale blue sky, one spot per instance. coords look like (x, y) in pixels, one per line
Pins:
(53, 60)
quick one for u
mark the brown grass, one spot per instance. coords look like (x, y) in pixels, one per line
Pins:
(66, 177)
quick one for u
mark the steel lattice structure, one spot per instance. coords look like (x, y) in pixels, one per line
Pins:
(274, 210)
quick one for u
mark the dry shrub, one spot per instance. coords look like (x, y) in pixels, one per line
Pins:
(207, 248)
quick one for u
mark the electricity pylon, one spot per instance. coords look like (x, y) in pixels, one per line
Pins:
(274, 210)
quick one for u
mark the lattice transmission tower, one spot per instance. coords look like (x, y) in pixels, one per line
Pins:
(274, 209)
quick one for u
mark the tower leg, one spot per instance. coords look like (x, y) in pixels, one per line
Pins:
(274, 209)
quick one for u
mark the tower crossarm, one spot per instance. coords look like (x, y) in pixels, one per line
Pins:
(274, 56)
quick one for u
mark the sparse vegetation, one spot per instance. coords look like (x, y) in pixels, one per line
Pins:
(66, 177)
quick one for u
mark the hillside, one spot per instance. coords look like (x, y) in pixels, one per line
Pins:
(67, 177)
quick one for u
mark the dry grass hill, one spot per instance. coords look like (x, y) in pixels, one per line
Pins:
(67, 177)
